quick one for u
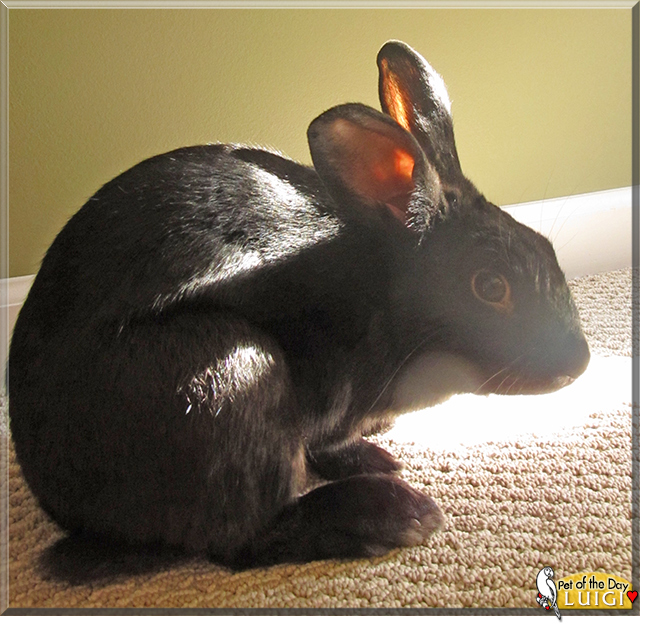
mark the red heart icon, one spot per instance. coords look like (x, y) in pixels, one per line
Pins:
(632, 595)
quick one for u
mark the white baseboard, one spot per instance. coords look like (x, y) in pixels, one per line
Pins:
(591, 232)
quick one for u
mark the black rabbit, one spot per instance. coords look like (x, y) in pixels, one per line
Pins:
(217, 320)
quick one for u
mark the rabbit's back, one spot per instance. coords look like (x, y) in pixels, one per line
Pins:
(180, 224)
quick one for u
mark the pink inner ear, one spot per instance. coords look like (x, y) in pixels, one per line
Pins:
(404, 164)
(394, 98)
(395, 182)
(375, 166)
(389, 179)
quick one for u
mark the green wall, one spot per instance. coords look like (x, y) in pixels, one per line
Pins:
(541, 97)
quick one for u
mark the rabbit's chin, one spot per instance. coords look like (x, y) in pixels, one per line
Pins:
(522, 385)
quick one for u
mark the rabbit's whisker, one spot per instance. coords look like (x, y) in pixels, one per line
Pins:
(501, 371)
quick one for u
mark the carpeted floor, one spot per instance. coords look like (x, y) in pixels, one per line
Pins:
(513, 505)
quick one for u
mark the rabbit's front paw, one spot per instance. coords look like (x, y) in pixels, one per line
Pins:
(359, 457)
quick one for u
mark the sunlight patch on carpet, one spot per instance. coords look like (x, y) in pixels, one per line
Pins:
(470, 420)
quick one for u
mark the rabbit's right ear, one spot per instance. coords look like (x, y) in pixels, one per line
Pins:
(415, 96)
(359, 152)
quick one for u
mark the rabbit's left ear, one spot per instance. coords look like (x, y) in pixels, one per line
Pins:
(362, 153)
(414, 95)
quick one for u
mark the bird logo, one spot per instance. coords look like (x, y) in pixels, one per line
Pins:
(547, 592)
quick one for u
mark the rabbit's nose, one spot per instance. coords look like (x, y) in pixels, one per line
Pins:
(577, 356)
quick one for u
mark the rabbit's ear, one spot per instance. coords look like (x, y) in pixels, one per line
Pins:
(415, 96)
(363, 153)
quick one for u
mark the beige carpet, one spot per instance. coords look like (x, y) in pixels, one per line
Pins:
(513, 505)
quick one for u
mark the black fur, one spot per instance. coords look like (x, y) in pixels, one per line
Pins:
(219, 319)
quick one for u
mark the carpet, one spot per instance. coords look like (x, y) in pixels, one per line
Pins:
(514, 500)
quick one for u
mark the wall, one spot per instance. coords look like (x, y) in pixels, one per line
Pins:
(541, 98)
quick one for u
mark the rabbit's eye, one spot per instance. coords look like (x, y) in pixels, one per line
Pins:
(452, 198)
(493, 289)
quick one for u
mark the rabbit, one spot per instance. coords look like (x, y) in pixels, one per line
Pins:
(219, 324)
